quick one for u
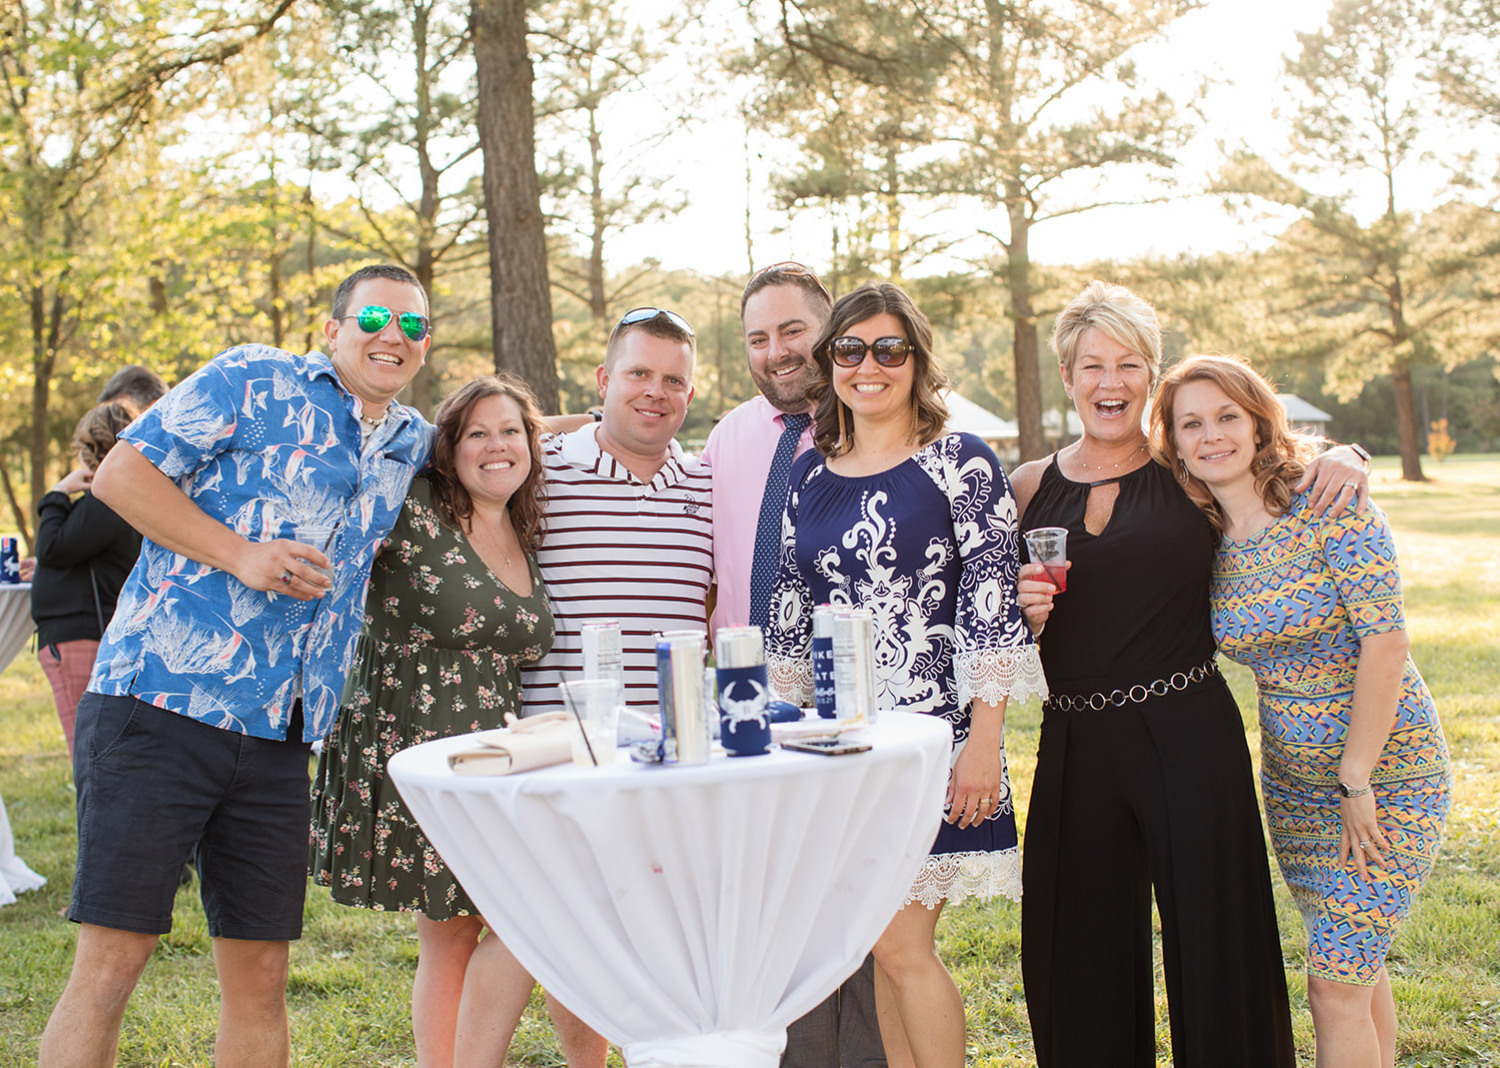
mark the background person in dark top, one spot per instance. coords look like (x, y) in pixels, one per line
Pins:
(83, 553)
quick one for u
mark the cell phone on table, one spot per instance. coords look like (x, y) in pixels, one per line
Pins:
(827, 746)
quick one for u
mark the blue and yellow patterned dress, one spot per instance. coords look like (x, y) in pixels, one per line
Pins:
(1292, 603)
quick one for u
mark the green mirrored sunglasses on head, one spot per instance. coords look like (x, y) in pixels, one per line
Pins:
(372, 319)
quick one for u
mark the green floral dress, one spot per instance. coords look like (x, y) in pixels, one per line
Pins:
(441, 654)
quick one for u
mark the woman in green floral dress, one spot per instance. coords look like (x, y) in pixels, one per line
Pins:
(455, 607)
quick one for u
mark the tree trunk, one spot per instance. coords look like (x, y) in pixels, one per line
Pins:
(278, 324)
(893, 214)
(44, 340)
(424, 383)
(1031, 442)
(598, 306)
(309, 342)
(1406, 425)
(16, 509)
(520, 300)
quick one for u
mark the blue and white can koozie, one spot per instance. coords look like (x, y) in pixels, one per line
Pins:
(745, 726)
(822, 662)
(10, 560)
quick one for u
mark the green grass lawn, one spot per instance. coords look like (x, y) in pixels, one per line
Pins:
(351, 973)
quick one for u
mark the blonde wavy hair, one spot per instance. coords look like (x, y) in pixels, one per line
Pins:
(1281, 456)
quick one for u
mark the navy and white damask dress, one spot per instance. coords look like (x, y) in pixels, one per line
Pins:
(930, 546)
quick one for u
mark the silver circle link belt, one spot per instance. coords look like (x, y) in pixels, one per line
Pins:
(1138, 693)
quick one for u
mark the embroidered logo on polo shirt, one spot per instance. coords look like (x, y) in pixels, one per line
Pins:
(691, 508)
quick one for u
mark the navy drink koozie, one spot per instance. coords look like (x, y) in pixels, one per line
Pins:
(822, 662)
(744, 725)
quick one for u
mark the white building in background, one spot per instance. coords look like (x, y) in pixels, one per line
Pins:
(1303, 416)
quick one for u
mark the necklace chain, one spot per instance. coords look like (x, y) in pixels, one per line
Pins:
(494, 536)
(1111, 467)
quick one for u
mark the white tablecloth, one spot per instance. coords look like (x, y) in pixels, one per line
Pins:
(15, 631)
(688, 914)
(16, 626)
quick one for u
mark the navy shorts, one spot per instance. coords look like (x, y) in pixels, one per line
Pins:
(156, 790)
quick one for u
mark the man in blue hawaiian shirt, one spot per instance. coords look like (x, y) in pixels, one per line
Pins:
(263, 484)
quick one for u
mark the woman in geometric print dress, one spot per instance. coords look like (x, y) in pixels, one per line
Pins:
(455, 607)
(896, 515)
(1354, 767)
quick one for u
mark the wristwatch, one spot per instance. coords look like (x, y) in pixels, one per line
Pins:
(1359, 450)
(1350, 791)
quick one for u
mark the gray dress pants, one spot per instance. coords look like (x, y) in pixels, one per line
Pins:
(842, 1031)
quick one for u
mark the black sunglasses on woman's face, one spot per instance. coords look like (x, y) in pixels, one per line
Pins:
(849, 351)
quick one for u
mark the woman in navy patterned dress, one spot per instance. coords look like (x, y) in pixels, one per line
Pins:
(895, 515)
(1354, 767)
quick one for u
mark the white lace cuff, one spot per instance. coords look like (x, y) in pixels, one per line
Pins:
(994, 675)
(952, 877)
(791, 678)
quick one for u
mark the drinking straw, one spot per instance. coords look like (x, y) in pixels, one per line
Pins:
(568, 697)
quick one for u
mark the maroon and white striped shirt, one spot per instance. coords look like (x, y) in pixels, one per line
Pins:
(618, 548)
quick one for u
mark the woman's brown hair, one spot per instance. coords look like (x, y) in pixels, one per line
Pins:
(930, 414)
(1281, 454)
(527, 506)
(98, 431)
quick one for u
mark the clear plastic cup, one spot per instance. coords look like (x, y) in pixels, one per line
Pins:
(320, 538)
(597, 702)
(1049, 547)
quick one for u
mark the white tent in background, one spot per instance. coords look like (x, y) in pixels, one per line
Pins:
(964, 415)
(1304, 416)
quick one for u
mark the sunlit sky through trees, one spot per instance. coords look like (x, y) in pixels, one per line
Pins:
(1239, 44)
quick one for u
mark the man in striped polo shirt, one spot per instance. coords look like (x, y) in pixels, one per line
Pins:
(629, 516)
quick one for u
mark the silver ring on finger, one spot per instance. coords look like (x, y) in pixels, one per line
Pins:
(1364, 845)
(286, 578)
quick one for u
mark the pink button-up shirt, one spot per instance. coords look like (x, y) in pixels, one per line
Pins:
(739, 452)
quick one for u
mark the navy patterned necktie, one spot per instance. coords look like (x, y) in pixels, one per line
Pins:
(768, 531)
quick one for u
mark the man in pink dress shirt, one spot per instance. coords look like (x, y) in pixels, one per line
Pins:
(782, 312)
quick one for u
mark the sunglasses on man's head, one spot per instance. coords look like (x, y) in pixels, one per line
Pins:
(372, 319)
(792, 269)
(849, 351)
(645, 315)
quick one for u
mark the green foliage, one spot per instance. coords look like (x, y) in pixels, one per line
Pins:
(1381, 296)
(1463, 60)
(91, 103)
(594, 66)
(987, 105)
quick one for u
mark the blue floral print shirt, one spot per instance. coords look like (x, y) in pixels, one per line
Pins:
(267, 442)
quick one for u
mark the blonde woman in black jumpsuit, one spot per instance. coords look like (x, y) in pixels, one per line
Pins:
(1143, 779)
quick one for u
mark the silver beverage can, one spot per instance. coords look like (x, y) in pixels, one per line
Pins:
(602, 655)
(679, 686)
(711, 701)
(740, 647)
(854, 663)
